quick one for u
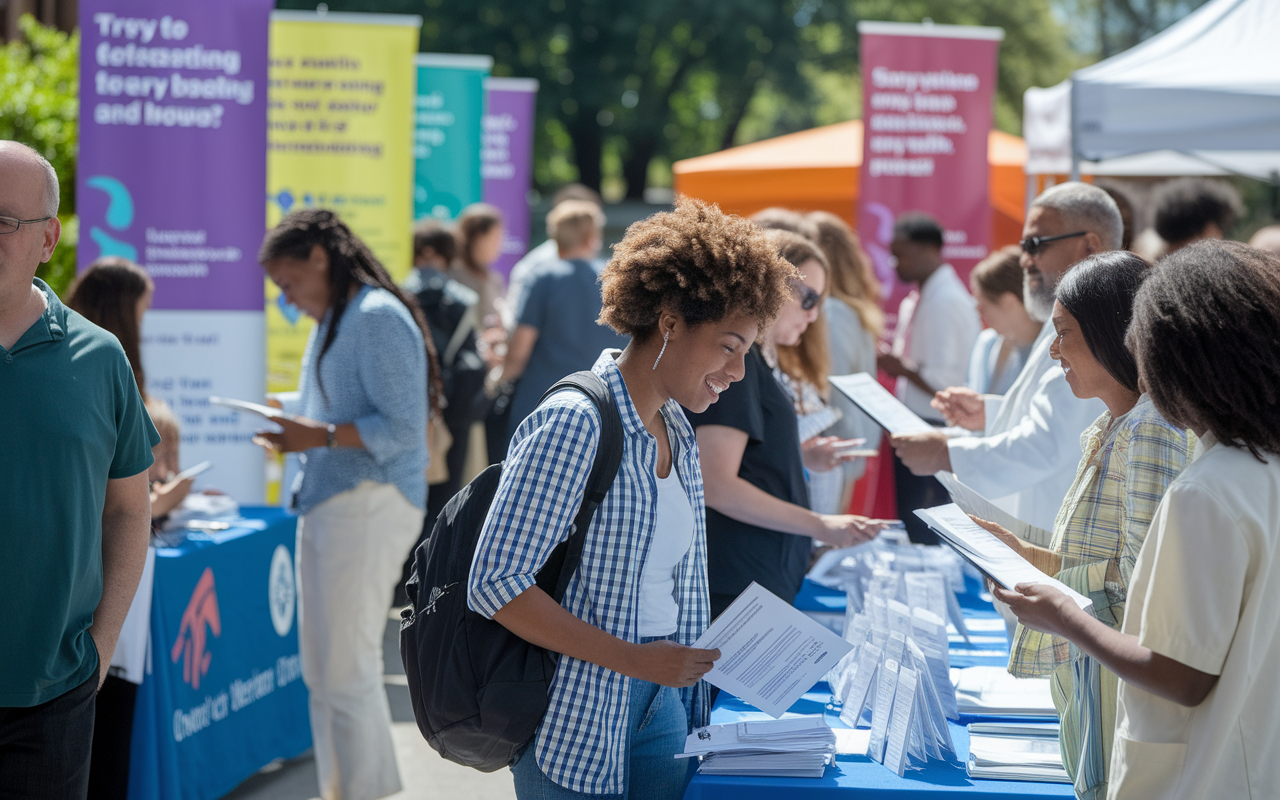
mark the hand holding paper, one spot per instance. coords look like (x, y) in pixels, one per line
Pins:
(771, 652)
(991, 556)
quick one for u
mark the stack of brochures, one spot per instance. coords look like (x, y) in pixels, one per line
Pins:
(993, 692)
(1015, 752)
(791, 747)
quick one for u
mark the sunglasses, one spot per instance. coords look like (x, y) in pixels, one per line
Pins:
(808, 297)
(1034, 244)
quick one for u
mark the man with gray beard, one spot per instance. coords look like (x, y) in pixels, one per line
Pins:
(1026, 458)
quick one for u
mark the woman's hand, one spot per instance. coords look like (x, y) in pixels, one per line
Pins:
(846, 530)
(165, 497)
(669, 664)
(298, 434)
(1042, 558)
(961, 406)
(1040, 607)
(825, 453)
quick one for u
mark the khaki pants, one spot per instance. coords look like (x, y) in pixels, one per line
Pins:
(350, 551)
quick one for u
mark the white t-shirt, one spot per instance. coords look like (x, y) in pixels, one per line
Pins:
(1205, 591)
(672, 538)
(936, 330)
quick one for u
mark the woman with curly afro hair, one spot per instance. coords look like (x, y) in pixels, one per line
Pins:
(693, 288)
(760, 523)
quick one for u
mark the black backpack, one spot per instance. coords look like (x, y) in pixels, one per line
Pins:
(478, 690)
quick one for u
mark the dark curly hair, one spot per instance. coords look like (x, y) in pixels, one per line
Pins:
(350, 262)
(697, 261)
(1204, 332)
(1099, 293)
(1186, 205)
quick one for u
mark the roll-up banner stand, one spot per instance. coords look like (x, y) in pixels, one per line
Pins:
(927, 111)
(448, 119)
(172, 164)
(507, 154)
(340, 136)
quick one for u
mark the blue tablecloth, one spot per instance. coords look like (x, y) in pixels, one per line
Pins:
(859, 776)
(223, 695)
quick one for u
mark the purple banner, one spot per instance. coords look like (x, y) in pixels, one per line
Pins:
(173, 142)
(507, 158)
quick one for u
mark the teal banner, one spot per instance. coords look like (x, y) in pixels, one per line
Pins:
(448, 118)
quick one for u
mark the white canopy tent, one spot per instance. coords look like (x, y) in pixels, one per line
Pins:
(1201, 98)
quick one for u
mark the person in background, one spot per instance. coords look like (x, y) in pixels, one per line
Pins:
(803, 367)
(1001, 349)
(1198, 713)
(114, 294)
(75, 511)
(547, 251)
(759, 524)
(479, 230)
(854, 324)
(361, 428)
(557, 330)
(1131, 455)
(1027, 455)
(691, 287)
(1125, 207)
(775, 218)
(450, 311)
(937, 326)
(1191, 209)
(1267, 239)
(802, 371)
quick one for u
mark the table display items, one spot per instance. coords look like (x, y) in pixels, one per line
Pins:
(792, 747)
(1006, 751)
(993, 692)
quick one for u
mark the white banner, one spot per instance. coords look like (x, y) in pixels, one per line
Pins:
(186, 358)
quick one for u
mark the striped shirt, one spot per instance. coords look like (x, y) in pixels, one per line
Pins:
(582, 741)
(1124, 472)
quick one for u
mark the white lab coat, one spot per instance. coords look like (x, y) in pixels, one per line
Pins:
(1026, 458)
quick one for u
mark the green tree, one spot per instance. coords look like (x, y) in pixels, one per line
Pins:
(627, 86)
(39, 82)
(1107, 27)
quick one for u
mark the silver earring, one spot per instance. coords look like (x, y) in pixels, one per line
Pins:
(665, 337)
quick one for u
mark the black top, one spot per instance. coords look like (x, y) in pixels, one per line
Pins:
(738, 553)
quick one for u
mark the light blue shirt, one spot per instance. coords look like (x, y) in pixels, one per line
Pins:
(375, 376)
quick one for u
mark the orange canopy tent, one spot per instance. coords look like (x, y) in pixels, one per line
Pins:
(817, 170)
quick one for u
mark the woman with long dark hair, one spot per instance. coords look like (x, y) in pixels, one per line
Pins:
(1130, 456)
(361, 428)
(1198, 712)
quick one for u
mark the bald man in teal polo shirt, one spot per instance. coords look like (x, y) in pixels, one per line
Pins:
(75, 445)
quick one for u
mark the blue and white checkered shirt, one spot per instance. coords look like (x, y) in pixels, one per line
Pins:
(582, 741)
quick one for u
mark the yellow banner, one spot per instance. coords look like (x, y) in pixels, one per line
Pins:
(339, 136)
(340, 95)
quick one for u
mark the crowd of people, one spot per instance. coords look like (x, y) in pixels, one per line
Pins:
(1125, 410)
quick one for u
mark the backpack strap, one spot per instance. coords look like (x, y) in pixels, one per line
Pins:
(603, 470)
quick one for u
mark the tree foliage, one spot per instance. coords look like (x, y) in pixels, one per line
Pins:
(39, 83)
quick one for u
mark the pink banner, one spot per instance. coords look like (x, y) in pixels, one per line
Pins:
(927, 98)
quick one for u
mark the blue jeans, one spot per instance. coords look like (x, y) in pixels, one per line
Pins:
(657, 723)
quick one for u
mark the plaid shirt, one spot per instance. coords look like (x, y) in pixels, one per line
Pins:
(582, 741)
(1100, 528)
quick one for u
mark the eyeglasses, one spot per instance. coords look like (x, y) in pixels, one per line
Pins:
(11, 224)
(808, 297)
(1034, 244)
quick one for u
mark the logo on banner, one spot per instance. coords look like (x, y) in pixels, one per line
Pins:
(200, 617)
(119, 217)
(281, 592)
